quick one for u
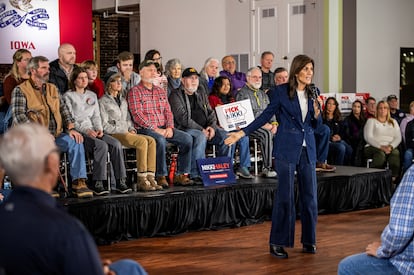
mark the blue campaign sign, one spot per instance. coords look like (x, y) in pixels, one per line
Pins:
(216, 171)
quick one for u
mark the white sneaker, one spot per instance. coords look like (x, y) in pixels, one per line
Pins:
(269, 173)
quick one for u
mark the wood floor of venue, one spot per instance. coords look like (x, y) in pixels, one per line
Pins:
(245, 250)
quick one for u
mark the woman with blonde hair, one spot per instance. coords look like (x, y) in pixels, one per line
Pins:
(116, 122)
(16, 76)
(383, 136)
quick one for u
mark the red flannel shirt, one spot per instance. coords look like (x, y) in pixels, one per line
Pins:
(149, 109)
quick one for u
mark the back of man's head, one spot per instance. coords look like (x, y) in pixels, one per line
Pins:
(23, 152)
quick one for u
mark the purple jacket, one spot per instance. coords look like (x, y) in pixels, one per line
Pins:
(238, 80)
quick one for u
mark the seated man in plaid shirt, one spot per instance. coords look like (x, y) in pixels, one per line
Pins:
(152, 116)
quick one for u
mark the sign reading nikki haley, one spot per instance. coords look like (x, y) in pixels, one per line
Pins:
(216, 171)
(31, 25)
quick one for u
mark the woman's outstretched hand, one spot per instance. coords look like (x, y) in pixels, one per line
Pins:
(233, 137)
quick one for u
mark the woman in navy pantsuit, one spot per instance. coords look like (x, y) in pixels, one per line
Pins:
(298, 114)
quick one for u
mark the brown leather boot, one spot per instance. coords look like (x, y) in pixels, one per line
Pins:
(151, 179)
(80, 189)
(182, 180)
(144, 185)
(162, 181)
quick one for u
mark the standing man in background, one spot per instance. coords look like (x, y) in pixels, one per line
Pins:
(266, 63)
(61, 68)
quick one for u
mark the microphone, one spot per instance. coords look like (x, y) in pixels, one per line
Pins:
(314, 93)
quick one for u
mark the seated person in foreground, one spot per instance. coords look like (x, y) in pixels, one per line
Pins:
(394, 254)
(84, 107)
(259, 101)
(383, 136)
(116, 122)
(37, 235)
(220, 95)
(193, 114)
(152, 116)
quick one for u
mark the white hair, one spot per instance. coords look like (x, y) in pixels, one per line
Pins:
(23, 152)
(206, 64)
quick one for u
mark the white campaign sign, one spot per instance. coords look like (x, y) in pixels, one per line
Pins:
(31, 25)
(235, 115)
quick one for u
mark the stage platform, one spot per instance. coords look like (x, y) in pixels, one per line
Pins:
(179, 209)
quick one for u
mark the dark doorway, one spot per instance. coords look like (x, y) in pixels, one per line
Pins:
(406, 78)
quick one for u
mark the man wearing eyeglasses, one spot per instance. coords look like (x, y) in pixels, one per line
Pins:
(238, 79)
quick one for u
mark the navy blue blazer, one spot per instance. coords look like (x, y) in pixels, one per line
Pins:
(292, 130)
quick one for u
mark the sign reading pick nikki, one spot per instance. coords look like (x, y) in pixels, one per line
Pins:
(216, 171)
(235, 115)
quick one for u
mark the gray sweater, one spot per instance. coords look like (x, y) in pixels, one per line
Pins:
(115, 119)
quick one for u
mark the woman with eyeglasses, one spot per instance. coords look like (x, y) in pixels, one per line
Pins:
(155, 56)
(116, 122)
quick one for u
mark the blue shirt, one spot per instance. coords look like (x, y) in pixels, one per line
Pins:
(38, 237)
(397, 242)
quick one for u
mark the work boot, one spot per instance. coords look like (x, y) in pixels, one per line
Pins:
(122, 187)
(162, 181)
(144, 185)
(80, 190)
(151, 179)
(182, 180)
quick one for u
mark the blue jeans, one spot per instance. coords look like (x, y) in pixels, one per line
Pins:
(322, 135)
(284, 213)
(76, 154)
(5, 120)
(184, 142)
(127, 267)
(244, 151)
(408, 159)
(341, 151)
(199, 147)
(364, 264)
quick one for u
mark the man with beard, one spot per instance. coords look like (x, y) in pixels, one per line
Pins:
(193, 114)
(61, 68)
(37, 101)
(259, 101)
(152, 116)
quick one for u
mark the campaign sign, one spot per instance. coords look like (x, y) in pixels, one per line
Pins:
(216, 171)
(235, 115)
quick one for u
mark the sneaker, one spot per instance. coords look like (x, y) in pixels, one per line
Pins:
(244, 173)
(80, 190)
(99, 190)
(122, 188)
(324, 167)
(162, 181)
(269, 173)
(182, 180)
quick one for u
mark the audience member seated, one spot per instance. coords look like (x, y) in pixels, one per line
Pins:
(354, 129)
(16, 76)
(396, 113)
(371, 105)
(160, 79)
(238, 79)
(116, 122)
(221, 95)
(37, 101)
(383, 136)
(266, 63)
(61, 68)
(125, 66)
(259, 101)
(84, 107)
(281, 76)
(208, 73)
(173, 70)
(95, 84)
(152, 116)
(193, 114)
(339, 150)
(39, 236)
(394, 253)
(408, 137)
